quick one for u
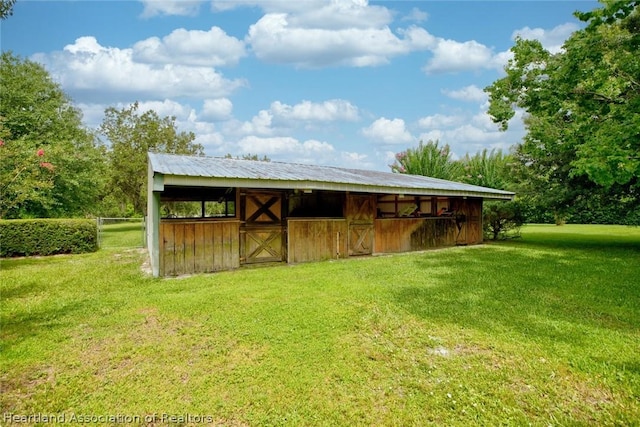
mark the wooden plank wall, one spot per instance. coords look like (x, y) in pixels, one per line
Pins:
(414, 234)
(188, 247)
(316, 239)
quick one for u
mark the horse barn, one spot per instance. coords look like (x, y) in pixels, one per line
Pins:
(209, 214)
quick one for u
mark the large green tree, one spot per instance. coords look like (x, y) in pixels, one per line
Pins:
(582, 116)
(50, 165)
(132, 134)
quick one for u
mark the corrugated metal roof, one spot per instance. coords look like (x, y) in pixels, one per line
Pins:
(292, 175)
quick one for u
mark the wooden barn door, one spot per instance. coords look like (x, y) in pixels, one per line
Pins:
(474, 221)
(468, 232)
(262, 231)
(360, 214)
(461, 212)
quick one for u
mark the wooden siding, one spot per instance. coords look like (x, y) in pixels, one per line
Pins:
(188, 247)
(317, 239)
(413, 234)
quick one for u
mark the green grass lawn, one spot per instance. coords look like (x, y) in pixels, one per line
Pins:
(123, 234)
(542, 330)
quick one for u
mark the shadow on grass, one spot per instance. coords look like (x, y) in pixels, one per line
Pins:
(540, 294)
(581, 241)
(21, 290)
(42, 321)
(26, 261)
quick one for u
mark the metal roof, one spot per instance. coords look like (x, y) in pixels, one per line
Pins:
(216, 171)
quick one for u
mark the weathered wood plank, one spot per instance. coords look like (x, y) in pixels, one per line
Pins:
(226, 256)
(219, 247)
(189, 248)
(412, 234)
(200, 262)
(178, 230)
(316, 239)
(199, 246)
(167, 250)
(234, 252)
(209, 260)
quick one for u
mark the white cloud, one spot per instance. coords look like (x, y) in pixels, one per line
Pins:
(213, 48)
(417, 38)
(88, 69)
(353, 160)
(284, 145)
(388, 131)
(453, 56)
(269, 6)
(552, 40)
(333, 14)
(475, 133)
(217, 109)
(283, 119)
(213, 143)
(440, 120)
(327, 111)
(259, 124)
(170, 7)
(340, 32)
(314, 146)
(470, 93)
(342, 14)
(274, 40)
(416, 15)
(167, 108)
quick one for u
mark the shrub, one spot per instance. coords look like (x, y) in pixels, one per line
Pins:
(501, 218)
(47, 236)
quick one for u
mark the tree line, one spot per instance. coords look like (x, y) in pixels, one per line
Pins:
(53, 166)
(579, 160)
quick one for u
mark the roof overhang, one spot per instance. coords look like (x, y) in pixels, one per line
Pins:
(190, 181)
(190, 171)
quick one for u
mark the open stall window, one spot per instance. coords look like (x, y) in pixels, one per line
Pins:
(444, 207)
(401, 206)
(315, 204)
(182, 202)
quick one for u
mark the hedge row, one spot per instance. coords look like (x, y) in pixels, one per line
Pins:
(21, 237)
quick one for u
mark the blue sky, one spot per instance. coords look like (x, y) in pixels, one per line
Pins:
(333, 82)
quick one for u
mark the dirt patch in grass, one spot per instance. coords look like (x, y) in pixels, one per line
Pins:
(23, 386)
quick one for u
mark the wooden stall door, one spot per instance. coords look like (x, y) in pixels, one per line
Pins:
(474, 222)
(263, 233)
(360, 214)
(468, 232)
(461, 214)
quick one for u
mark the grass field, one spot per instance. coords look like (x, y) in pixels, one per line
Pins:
(127, 233)
(542, 330)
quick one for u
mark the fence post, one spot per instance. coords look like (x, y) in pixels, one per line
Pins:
(99, 226)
